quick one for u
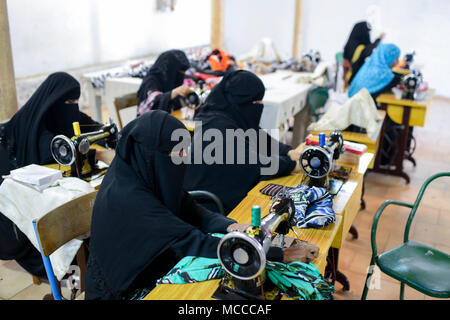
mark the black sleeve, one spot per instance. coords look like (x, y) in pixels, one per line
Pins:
(283, 149)
(163, 102)
(45, 154)
(280, 165)
(196, 244)
(87, 124)
(205, 220)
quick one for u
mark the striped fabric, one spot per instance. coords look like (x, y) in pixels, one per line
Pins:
(313, 207)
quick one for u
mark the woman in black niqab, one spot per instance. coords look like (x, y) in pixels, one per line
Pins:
(142, 219)
(236, 103)
(25, 140)
(357, 49)
(163, 85)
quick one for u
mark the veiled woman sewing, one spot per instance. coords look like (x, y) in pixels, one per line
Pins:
(357, 49)
(163, 86)
(143, 221)
(26, 139)
(236, 104)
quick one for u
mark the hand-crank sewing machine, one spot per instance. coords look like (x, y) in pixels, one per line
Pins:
(243, 254)
(317, 161)
(73, 152)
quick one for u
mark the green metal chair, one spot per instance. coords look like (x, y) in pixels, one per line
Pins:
(317, 98)
(201, 194)
(419, 266)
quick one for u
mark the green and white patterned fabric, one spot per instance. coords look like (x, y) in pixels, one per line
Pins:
(298, 280)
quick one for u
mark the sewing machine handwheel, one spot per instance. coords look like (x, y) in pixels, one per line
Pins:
(315, 163)
(63, 150)
(241, 256)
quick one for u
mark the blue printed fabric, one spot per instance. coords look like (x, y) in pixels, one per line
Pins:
(313, 206)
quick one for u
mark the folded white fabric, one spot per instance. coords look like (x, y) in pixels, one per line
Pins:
(23, 204)
(360, 110)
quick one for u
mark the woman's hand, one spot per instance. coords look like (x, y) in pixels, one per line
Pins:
(303, 252)
(106, 156)
(238, 227)
(182, 90)
(294, 155)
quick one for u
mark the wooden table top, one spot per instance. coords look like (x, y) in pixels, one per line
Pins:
(323, 237)
(390, 99)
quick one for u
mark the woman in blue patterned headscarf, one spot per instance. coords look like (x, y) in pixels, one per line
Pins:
(376, 74)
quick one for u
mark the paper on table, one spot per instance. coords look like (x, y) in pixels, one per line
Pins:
(35, 176)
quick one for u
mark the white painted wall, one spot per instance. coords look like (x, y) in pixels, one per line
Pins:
(54, 35)
(420, 25)
(247, 21)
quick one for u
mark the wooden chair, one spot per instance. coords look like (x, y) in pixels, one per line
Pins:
(123, 102)
(69, 221)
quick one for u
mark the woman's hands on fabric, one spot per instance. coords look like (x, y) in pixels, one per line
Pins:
(106, 156)
(182, 90)
(303, 252)
(238, 227)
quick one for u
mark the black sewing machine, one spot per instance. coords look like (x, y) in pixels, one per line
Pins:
(411, 83)
(243, 254)
(317, 161)
(74, 152)
(409, 59)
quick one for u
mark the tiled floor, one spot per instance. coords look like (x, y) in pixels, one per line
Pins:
(430, 226)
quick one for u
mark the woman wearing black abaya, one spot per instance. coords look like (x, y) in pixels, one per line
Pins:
(142, 218)
(163, 86)
(357, 49)
(25, 140)
(236, 103)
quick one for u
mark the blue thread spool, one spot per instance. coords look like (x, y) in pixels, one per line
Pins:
(322, 139)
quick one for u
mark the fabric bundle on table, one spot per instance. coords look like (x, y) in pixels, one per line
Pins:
(298, 280)
(313, 206)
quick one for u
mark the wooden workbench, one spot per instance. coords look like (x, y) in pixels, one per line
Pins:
(346, 205)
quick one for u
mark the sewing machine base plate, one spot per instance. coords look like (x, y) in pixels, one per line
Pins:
(224, 292)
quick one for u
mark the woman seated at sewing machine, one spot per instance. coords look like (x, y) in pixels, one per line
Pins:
(357, 49)
(143, 221)
(234, 104)
(377, 77)
(163, 86)
(376, 74)
(26, 139)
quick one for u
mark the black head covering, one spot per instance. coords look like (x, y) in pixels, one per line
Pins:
(234, 96)
(359, 35)
(165, 75)
(137, 210)
(46, 108)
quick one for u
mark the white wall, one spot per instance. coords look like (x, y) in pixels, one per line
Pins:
(420, 25)
(54, 35)
(247, 21)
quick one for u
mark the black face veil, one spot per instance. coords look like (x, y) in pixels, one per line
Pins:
(46, 108)
(235, 95)
(166, 74)
(360, 35)
(137, 210)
